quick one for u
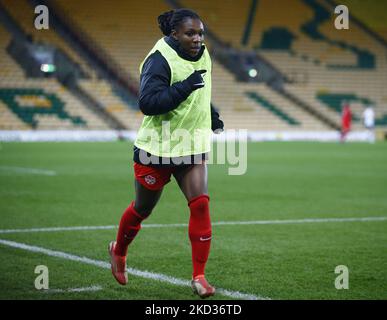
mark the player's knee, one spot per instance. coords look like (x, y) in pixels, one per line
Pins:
(144, 210)
(199, 204)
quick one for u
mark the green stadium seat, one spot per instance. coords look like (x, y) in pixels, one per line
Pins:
(27, 112)
(277, 38)
(272, 108)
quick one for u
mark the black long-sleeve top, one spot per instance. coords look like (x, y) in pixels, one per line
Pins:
(157, 96)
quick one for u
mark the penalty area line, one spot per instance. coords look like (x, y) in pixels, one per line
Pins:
(218, 223)
(139, 273)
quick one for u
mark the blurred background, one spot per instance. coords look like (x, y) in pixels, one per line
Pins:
(278, 65)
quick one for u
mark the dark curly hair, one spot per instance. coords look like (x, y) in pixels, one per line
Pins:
(171, 20)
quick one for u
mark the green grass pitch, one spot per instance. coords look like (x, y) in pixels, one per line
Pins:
(284, 181)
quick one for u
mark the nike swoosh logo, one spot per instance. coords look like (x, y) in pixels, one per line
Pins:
(199, 84)
(205, 239)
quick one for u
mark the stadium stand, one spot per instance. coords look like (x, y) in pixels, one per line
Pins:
(126, 30)
(102, 90)
(322, 66)
(235, 106)
(225, 18)
(14, 81)
(28, 104)
(313, 55)
(371, 17)
(240, 111)
(9, 121)
(273, 108)
(22, 12)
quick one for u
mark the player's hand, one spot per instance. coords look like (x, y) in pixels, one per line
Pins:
(217, 125)
(195, 80)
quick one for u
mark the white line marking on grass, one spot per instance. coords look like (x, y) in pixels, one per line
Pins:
(219, 223)
(55, 229)
(85, 289)
(364, 219)
(135, 272)
(28, 170)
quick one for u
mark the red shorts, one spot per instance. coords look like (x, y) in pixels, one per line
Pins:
(153, 178)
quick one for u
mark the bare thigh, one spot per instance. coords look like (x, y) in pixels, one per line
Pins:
(192, 180)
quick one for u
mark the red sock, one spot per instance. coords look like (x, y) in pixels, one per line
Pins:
(199, 231)
(130, 225)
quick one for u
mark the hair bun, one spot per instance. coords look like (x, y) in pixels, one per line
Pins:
(164, 22)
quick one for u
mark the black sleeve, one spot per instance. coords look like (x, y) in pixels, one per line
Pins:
(157, 96)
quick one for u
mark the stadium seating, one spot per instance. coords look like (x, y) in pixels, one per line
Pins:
(126, 30)
(226, 18)
(273, 108)
(27, 104)
(24, 14)
(320, 61)
(9, 120)
(113, 104)
(13, 78)
(326, 60)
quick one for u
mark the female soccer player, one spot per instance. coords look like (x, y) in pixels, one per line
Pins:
(174, 139)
